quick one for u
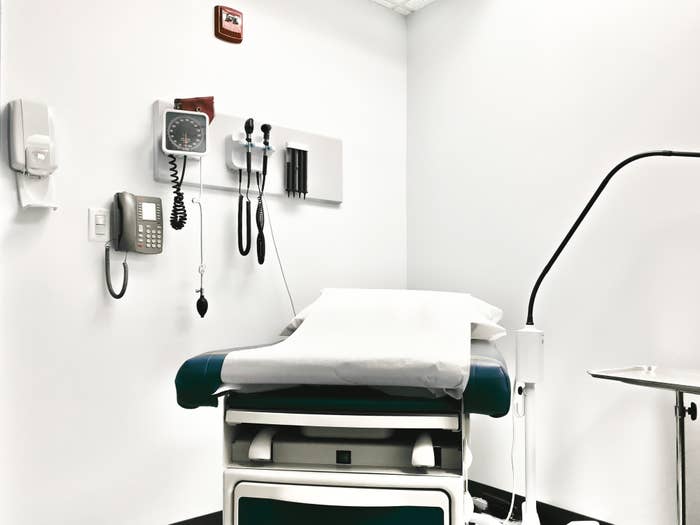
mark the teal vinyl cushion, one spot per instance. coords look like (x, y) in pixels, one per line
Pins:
(488, 391)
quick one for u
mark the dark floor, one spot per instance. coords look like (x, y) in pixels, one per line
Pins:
(210, 519)
(499, 503)
(549, 516)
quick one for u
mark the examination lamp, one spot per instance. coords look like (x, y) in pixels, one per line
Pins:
(530, 343)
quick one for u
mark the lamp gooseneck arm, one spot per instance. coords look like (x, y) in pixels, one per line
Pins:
(582, 216)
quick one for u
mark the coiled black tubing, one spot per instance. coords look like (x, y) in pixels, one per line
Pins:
(178, 215)
(243, 249)
(260, 220)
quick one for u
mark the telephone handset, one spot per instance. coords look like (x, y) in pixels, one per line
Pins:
(136, 226)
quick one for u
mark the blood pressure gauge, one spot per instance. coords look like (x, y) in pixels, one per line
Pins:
(185, 133)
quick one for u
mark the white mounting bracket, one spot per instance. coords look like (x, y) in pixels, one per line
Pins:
(236, 150)
(423, 455)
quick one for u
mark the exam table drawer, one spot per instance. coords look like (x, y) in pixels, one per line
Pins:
(294, 419)
(279, 504)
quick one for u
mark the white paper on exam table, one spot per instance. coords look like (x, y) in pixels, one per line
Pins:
(381, 338)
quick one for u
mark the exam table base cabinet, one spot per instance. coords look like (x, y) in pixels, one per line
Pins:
(344, 477)
(323, 498)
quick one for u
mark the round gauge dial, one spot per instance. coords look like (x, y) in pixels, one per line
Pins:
(185, 133)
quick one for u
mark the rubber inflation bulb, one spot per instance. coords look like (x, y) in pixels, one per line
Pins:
(202, 306)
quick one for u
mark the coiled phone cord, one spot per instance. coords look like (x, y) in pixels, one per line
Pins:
(178, 215)
(244, 250)
(108, 274)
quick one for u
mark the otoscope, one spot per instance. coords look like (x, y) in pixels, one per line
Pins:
(249, 128)
(266, 128)
(245, 250)
(260, 213)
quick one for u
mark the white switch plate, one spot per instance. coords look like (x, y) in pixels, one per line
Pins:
(98, 232)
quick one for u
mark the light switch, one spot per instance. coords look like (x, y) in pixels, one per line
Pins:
(98, 224)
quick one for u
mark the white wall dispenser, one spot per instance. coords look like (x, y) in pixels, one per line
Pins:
(33, 153)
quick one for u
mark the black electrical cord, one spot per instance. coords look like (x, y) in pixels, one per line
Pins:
(582, 216)
(260, 212)
(244, 250)
(260, 220)
(279, 261)
(108, 275)
(178, 215)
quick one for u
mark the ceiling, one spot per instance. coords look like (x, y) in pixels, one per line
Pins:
(405, 7)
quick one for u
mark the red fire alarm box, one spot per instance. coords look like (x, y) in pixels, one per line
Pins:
(228, 24)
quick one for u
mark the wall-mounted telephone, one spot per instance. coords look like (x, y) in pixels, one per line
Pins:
(33, 152)
(136, 226)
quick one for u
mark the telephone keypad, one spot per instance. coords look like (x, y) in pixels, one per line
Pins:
(148, 230)
(151, 236)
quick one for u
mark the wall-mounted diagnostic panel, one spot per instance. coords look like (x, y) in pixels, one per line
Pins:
(227, 147)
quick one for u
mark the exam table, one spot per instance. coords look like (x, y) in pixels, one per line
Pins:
(317, 454)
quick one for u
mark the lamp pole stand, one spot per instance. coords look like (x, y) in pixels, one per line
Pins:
(681, 412)
(529, 344)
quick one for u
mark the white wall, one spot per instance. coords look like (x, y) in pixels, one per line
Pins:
(516, 112)
(91, 432)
